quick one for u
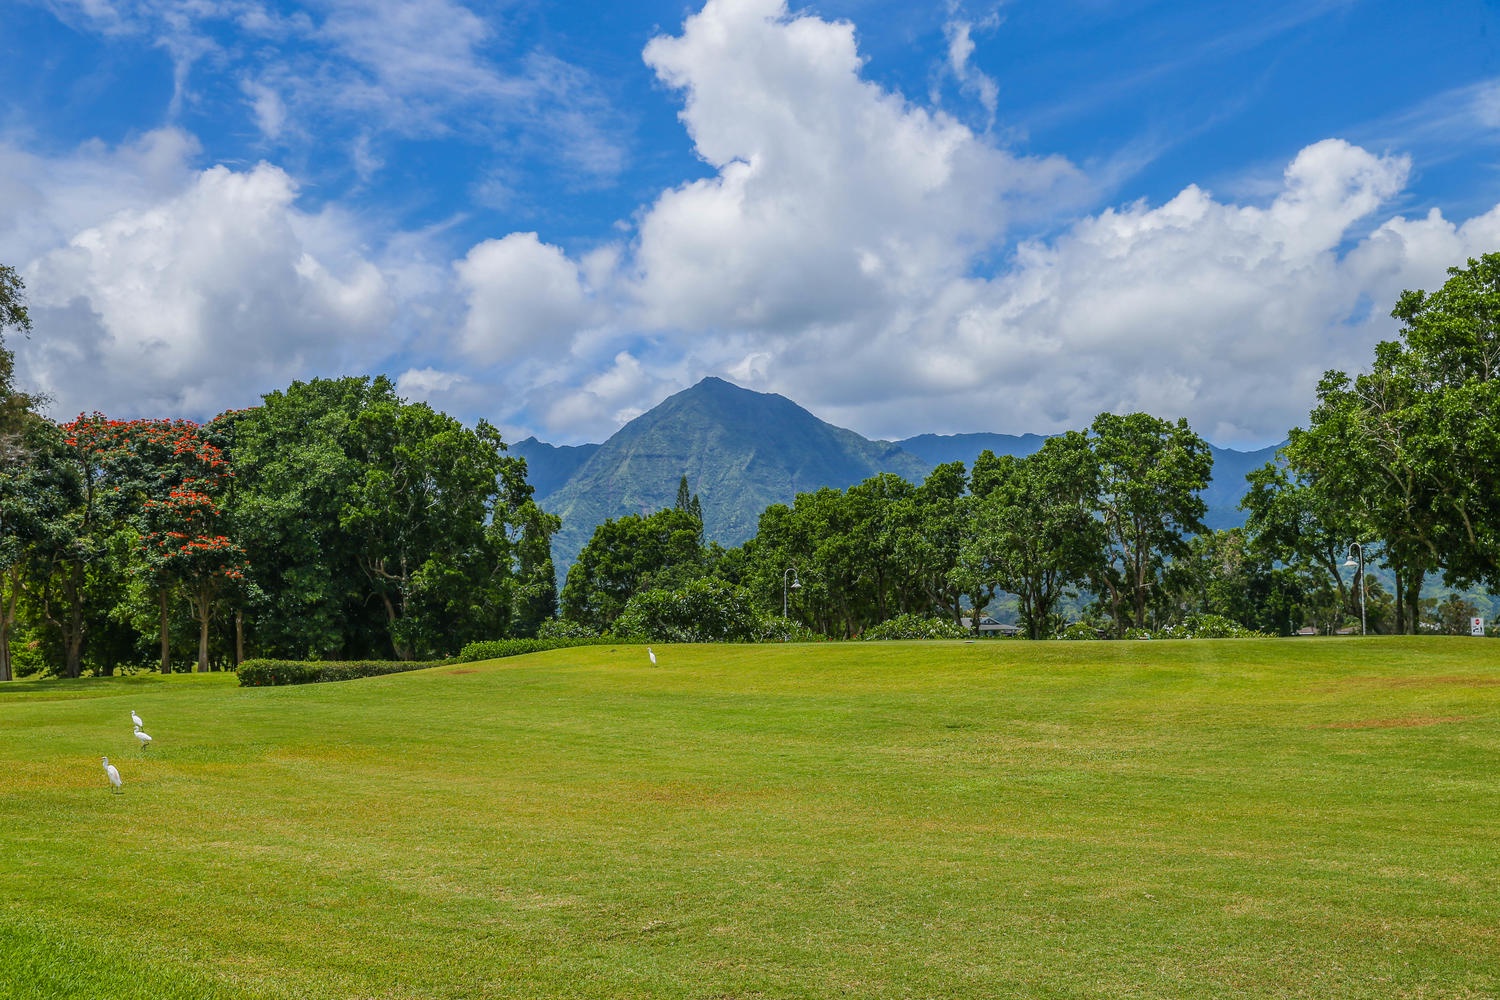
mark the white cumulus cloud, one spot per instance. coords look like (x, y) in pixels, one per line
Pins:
(848, 247)
(833, 197)
(1221, 312)
(182, 302)
(839, 255)
(526, 299)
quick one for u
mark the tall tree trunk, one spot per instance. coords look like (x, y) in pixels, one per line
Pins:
(1140, 596)
(166, 636)
(7, 619)
(1114, 608)
(202, 603)
(390, 617)
(73, 634)
(4, 647)
(203, 644)
(1400, 597)
(1414, 598)
(239, 637)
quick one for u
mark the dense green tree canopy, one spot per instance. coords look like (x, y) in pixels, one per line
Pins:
(704, 610)
(1035, 533)
(628, 555)
(334, 520)
(1151, 474)
(1402, 457)
(38, 497)
(376, 526)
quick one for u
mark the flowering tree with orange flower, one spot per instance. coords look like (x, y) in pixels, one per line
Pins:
(163, 478)
(190, 548)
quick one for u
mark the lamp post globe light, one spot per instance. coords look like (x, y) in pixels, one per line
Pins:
(1356, 549)
(796, 585)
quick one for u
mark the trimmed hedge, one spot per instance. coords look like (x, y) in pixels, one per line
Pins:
(265, 673)
(495, 649)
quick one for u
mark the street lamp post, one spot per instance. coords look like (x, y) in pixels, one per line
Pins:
(1356, 548)
(796, 585)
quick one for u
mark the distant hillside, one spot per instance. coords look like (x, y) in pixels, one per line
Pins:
(549, 466)
(1222, 496)
(936, 449)
(1228, 485)
(743, 451)
(740, 450)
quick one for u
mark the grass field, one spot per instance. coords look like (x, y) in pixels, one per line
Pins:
(1276, 818)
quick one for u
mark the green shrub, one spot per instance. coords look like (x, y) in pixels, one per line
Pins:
(1079, 631)
(704, 610)
(910, 626)
(778, 629)
(1207, 626)
(562, 628)
(496, 649)
(266, 673)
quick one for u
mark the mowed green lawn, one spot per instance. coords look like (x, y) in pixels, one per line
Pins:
(1287, 818)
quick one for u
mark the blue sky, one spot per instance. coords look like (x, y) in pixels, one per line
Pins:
(907, 217)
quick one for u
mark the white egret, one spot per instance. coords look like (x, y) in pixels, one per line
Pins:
(652, 655)
(145, 740)
(114, 775)
(135, 720)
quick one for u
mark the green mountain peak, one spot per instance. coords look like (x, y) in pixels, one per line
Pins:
(740, 450)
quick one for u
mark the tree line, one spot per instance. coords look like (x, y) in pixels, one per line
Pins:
(1396, 471)
(1400, 462)
(336, 520)
(333, 521)
(1115, 511)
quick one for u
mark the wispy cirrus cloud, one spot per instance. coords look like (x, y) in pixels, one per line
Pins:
(958, 31)
(1180, 49)
(394, 69)
(1442, 126)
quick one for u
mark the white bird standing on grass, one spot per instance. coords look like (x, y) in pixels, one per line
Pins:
(135, 719)
(145, 740)
(652, 655)
(114, 775)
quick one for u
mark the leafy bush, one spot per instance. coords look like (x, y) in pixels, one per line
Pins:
(778, 629)
(916, 627)
(266, 673)
(1139, 633)
(1206, 626)
(704, 610)
(562, 628)
(496, 649)
(1079, 631)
